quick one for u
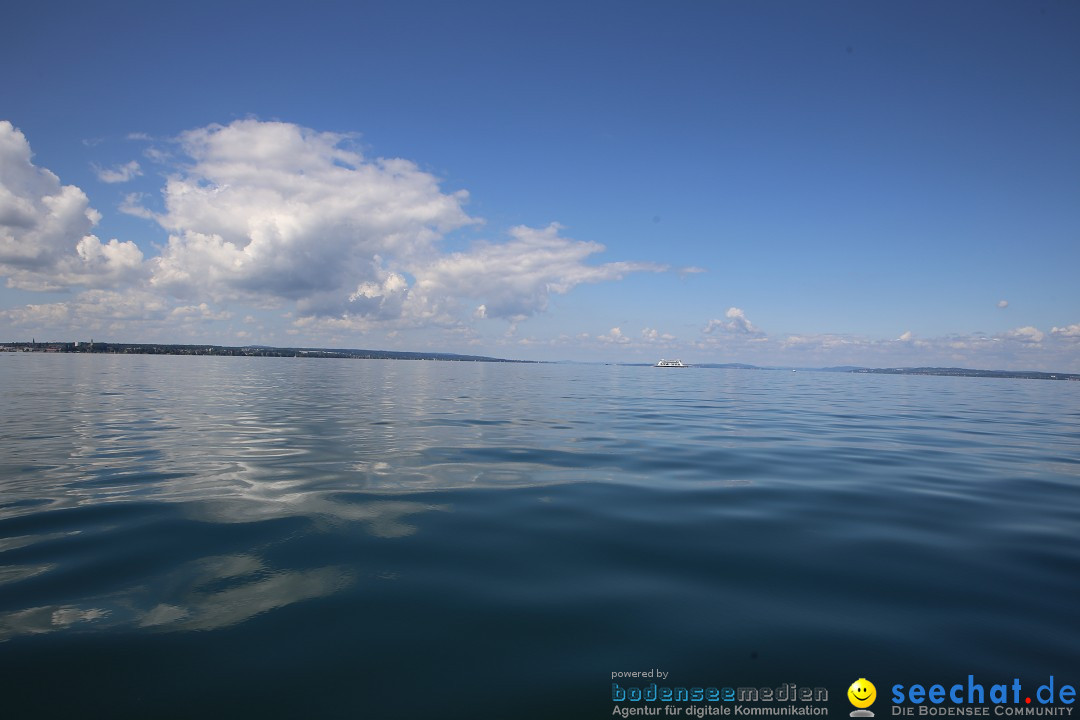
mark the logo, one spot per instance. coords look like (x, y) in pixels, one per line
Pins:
(974, 698)
(862, 694)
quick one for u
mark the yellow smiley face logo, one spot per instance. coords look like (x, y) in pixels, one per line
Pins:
(862, 693)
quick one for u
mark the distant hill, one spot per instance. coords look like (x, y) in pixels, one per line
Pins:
(942, 371)
(967, 372)
(242, 351)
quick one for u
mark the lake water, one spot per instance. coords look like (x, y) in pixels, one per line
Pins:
(201, 537)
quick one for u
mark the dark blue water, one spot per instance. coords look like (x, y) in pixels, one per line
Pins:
(191, 537)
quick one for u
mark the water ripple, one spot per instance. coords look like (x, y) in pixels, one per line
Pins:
(415, 519)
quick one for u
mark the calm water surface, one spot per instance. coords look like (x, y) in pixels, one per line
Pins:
(194, 537)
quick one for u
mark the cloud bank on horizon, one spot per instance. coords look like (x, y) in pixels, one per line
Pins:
(281, 234)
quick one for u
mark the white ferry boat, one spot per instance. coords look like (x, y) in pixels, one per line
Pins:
(670, 363)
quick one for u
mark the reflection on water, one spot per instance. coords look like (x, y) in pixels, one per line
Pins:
(206, 594)
(257, 589)
(382, 518)
(476, 528)
(275, 432)
(15, 573)
(35, 621)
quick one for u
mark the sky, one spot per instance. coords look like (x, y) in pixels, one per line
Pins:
(800, 184)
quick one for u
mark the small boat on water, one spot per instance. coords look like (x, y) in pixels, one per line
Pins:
(670, 363)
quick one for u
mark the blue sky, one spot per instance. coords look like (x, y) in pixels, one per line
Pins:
(776, 183)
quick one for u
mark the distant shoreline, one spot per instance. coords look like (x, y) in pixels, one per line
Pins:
(966, 372)
(238, 351)
(938, 371)
(354, 354)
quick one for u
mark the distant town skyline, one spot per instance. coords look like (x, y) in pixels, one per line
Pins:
(775, 184)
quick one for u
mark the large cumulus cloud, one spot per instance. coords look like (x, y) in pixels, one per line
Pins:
(278, 216)
(45, 238)
(274, 211)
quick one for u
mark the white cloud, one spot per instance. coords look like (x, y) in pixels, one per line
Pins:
(906, 337)
(615, 336)
(93, 309)
(132, 205)
(38, 217)
(1011, 349)
(118, 173)
(516, 279)
(201, 312)
(45, 240)
(651, 335)
(381, 298)
(157, 155)
(1003, 304)
(736, 322)
(1028, 335)
(824, 340)
(274, 211)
